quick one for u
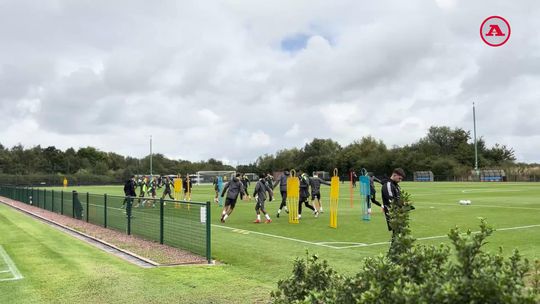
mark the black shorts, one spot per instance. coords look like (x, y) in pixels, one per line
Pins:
(259, 205)
(316, 195)
(230, 202)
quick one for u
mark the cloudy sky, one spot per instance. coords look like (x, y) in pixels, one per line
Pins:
(236, 79)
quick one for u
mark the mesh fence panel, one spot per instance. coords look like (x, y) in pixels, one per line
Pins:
(34, 200)
(95, 209)
(68, 203)
(182, 226)
(48, 200)
(116, 217)
(145, 219)
(57, 202)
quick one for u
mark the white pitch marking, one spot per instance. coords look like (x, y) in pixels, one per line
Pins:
(12, 268)
(357, 245)
(490, 190)
(440, 236)
(277, 237)
(488, 206)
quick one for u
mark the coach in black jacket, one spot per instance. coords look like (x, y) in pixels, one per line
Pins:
(391, 192)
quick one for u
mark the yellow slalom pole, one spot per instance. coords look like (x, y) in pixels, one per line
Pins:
(334, 198)
(293, 197)
(177, 190)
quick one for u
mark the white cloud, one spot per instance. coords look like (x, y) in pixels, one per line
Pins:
(210, 79)
(293, 131)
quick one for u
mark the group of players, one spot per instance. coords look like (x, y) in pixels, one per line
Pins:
(264, 189)
(148, 186)
(238, 186)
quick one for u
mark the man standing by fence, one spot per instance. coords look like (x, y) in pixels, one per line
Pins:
(129, 191)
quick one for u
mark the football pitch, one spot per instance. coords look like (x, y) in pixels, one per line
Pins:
(57, 268)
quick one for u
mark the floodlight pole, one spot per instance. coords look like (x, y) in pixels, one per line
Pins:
(475, 142)
(150, 155)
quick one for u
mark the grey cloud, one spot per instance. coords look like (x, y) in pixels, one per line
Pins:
(210, 80)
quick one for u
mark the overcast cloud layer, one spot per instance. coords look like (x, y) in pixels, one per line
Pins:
(236, 79)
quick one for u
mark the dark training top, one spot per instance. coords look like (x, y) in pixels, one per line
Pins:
(282, 182)
(304, 185)
(315, 183)
(390, 192)
(260, 190)
(235, 187)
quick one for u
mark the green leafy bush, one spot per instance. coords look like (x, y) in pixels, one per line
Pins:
(415, 273)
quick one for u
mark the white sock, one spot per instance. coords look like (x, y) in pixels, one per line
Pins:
(225, 217)
(299, 216)
(224, 212)
(258, 217)
(279, 211)
(320, 209)
(267, 216)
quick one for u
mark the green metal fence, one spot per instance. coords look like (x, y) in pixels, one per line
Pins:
(180, 224)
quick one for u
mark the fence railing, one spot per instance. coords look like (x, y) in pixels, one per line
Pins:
(180, 224)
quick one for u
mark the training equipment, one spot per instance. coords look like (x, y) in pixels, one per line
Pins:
(334, 198)
(177, 184)
(220, 189)
(423, 176)
(293, 197)
(365, 193)
(464, 202)
(492, 175)
(207, 177)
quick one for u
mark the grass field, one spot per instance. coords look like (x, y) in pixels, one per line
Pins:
(60, 269)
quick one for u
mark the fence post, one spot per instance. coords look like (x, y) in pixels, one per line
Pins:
(87, 205)
(45, 199)
(105, 210)
(161, 220)
(128, 213)
(72, 204)
(52, 200)
(208, 234)
(62, 202)
(37, 201)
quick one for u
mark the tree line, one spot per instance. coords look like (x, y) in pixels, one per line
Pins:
(445, 151)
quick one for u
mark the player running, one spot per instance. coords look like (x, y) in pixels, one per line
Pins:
(245, 181)
(141, 183)
(233, 189)
(215, 183)
(269, 179)
(282, 182)
(168, 184)
(315, 184)
(260, 195)
(304, 195)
